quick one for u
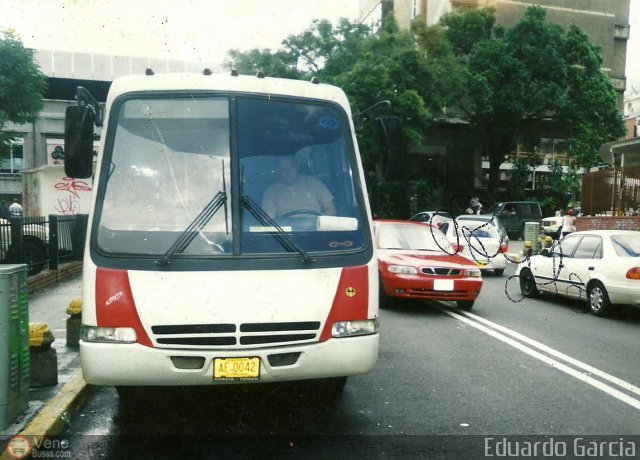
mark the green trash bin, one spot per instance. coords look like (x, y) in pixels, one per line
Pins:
(531, 232)
(14, 343)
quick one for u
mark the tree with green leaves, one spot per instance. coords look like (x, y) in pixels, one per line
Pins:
(591, 113)
(370, 68)
(534, 73)
(325, 49)
(507, 83)
(22, 85)
(275, 64)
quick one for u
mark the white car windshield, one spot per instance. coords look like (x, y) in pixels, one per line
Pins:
(412, 237)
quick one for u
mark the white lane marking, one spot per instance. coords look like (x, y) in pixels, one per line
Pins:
(574, 362)
(635, 403)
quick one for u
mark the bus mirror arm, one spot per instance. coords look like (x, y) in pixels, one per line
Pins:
(84, 97)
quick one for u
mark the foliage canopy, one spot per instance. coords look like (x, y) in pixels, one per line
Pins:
(22, 85)
(506, 83)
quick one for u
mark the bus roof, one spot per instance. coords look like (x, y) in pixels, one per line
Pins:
(227, 82)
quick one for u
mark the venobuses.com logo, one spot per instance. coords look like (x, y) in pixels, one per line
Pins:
(19, 447)
(37, 447)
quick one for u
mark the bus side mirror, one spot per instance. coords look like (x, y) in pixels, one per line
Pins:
(78, 141)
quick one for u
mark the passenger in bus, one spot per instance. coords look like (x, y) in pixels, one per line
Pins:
(296, 192)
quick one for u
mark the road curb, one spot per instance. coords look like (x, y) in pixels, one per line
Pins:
(50, 277)
(49, 420)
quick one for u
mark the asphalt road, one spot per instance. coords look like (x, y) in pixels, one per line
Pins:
(446, 381)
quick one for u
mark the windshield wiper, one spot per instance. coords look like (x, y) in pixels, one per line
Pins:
(200, 221)
(279, 234)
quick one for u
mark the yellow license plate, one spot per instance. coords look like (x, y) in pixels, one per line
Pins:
(236, 368)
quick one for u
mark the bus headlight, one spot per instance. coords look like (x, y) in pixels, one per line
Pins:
(108, 334)
(353, 328)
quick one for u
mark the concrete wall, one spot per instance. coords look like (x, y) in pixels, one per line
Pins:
(100, 67)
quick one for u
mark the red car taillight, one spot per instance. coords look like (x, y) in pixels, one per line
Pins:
(633, 273)
(504, 248)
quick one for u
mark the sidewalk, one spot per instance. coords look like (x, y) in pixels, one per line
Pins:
(48, 405)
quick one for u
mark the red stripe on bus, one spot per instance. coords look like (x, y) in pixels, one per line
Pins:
(115, 306)
(351, 301)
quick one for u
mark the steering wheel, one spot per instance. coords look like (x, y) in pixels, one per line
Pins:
(302, 212)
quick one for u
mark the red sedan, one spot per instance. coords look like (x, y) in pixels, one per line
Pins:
(416, 261)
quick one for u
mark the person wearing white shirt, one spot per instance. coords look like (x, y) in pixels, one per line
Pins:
(568, 223)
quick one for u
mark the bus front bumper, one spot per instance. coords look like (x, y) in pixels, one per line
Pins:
(138, 365)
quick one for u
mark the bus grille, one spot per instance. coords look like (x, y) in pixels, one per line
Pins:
(227, 335)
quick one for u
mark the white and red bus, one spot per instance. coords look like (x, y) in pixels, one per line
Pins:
(186, 279)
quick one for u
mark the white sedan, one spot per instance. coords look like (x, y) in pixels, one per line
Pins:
(552, 226)
(478, 241)
(432, 217)
(601, 266)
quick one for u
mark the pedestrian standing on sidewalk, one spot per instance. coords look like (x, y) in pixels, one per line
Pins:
(568, 223)
(15, 210)
(474, 206)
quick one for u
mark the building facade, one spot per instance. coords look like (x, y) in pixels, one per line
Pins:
(42, 142)
(632, 113)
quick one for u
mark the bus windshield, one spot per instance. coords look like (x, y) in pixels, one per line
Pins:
(212, 176)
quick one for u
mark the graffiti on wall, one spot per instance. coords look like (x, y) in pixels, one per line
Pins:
(71, 202)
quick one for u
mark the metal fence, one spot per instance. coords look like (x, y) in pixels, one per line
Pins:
(611, 191)
(42, 243)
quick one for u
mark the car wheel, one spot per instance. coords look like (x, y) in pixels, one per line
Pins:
(332, 388)
(528, 284)
(34, 256)
(128, 395)
(599, 302)
(324, 391)
(498, 271)
(465, 304)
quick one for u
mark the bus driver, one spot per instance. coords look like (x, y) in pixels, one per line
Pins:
(296, 192)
